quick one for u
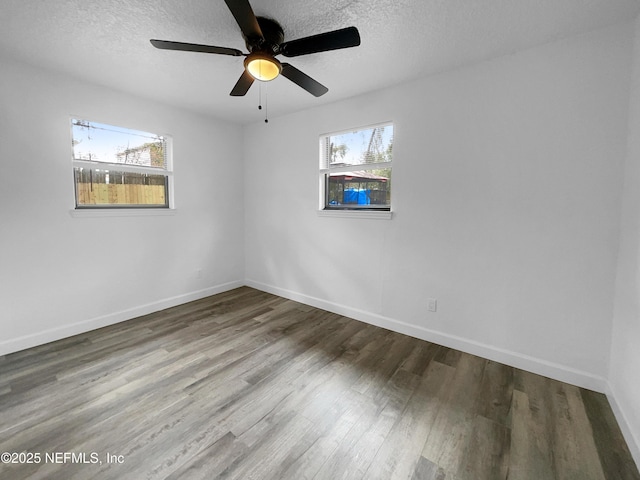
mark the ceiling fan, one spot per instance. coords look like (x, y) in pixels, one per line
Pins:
(264, 39)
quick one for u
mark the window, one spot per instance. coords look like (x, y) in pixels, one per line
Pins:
(116, 167)
(355, 169)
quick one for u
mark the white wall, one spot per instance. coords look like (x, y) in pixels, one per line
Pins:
(506, 198)
(624, 375)
(61, 275)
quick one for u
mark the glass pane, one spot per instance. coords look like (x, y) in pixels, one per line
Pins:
(99, 142)
(372, 145)
(123, 189)
(359, 189)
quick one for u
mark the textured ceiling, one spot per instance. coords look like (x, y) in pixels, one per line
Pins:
(107, 42)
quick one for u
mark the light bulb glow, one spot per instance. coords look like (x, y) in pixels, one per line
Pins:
(262, 68)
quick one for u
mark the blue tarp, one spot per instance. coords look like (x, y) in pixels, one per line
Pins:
(360, 196)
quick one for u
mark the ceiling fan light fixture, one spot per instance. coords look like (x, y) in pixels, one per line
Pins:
(262, 67)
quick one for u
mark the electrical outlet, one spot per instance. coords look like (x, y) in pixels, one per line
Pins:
(432, 304)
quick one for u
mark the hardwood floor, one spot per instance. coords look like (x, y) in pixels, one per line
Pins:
(246, 385)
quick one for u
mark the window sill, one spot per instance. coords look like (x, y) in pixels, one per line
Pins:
(121, 212)
(370, 214)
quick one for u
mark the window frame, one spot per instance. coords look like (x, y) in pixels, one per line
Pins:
(325, 170)
(80, 210)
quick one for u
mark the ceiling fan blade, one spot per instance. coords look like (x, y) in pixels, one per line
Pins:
(303, 80)
(194, 47)
(343, 38)
(247, 21)
(242, 85)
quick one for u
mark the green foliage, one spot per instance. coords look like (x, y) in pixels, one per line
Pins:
(157, 153)
(338, 151)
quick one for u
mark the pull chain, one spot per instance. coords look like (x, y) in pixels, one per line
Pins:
(266, 103)
(266, 106)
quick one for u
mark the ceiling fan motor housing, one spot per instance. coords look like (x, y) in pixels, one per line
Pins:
(273, 36)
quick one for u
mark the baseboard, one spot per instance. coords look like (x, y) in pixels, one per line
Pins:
(58, 333)
(515, 359)
(632, 438)
(531, 364)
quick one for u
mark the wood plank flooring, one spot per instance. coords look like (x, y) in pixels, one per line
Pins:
(247, 385)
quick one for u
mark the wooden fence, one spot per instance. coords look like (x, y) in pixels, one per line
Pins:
(120, 194)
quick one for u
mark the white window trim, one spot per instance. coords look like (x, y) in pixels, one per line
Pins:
(351, 168)
(362, 214)
(122, 167)
(121, 212)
